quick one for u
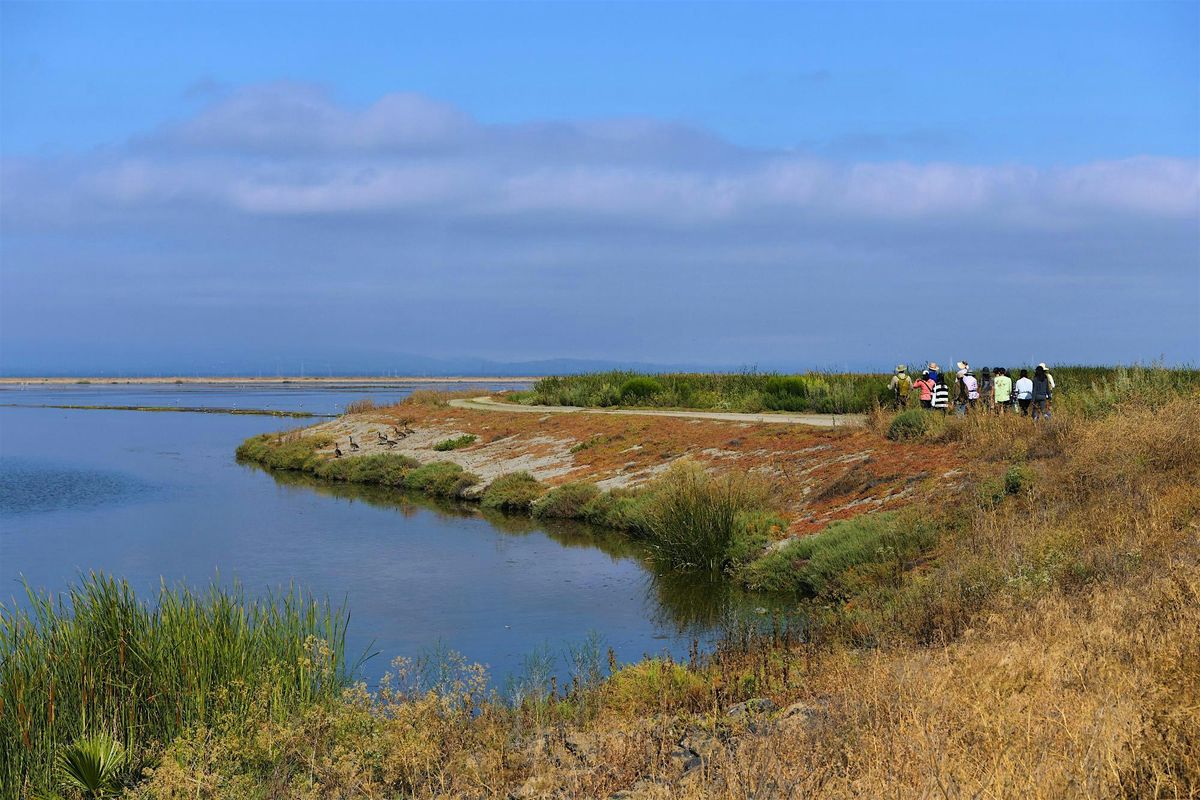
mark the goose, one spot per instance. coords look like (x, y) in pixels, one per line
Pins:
(383, 439)
(337, 451)
(353, 444)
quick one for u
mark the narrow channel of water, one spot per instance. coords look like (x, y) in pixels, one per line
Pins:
(152, 496)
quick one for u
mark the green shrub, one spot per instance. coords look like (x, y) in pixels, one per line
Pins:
(456, 442)
(910, 424)
(440, 479)
(636, 390)
(283, 451)
(515, 491)
(752, 532)
(821, 564)
(565, 502)
(691, 517)
(619, 509)
(1017, 478)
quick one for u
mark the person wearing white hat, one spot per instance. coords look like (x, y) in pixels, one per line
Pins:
(1049, 377)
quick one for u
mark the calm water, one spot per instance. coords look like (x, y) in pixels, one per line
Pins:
(152, 496)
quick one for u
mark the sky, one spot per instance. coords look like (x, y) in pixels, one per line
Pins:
(349, 187)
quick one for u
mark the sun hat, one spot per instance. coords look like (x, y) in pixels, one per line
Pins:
(1043, 365)
(933, 365)
(901, 368)
(963, 365)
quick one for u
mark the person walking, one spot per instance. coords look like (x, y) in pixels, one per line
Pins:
(971, 388)
(1041, 393)
(962, 392)
(925, 386)
(1024, 390)
(940, 399)
(1042, 366)
(1002, 391)
(901, 385)
(934, 371)
(986, 388)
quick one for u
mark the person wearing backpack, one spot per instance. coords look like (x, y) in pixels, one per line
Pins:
(940, 401)
(986, 387)
(925, 385)
(900, 385)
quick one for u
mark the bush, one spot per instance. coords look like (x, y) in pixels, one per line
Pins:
(650, 685)
(565, 502)
(691, 517)
(636, 390)
(384, 469)
(1017, 478)
(441, 479)
(619, 509)
(910, 424)
(515, 491)
(456, 442)
(820, 564)
(753, 530)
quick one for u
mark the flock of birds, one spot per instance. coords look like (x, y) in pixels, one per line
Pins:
(399, 432)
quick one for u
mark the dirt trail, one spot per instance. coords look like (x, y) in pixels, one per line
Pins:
(486, 403)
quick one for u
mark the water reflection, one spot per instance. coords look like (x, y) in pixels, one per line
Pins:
(691, 605)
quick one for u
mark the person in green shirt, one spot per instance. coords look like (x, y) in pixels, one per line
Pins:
(1003, 389)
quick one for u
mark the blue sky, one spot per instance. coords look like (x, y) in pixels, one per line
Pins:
(238, 187)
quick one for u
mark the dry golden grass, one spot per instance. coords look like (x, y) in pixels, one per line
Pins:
(1048, 647)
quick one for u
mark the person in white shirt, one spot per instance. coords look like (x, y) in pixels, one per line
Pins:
(1024, 391)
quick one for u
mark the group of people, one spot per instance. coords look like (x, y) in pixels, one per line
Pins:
(994, 390)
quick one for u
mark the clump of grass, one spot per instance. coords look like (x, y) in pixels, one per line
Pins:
(821, 564)
(690, 518)
(910, 424)
(568, 501)
(588, 444)
(291, 450)
(456, 442)
(638, 389)
(514, 492)
(619, 509)
(98, 660)
(383, 469)
(360, 406)
(441, 479)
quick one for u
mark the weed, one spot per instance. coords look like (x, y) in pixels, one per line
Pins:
(456, 442)
(515, 491)
(565, 502)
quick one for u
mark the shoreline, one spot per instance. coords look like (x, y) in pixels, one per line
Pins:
(282, 379)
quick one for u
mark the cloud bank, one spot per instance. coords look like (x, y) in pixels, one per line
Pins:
(665, 242)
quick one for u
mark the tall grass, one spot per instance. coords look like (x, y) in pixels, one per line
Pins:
(96, 659)
(827, 392)
(691, 518)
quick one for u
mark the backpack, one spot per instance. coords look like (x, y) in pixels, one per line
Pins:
(903, 384)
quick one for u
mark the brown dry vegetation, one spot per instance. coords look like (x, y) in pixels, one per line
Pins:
(1048, 645)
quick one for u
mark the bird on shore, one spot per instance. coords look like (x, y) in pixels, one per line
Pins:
(353, 444)
(337, 451)
(383, 439)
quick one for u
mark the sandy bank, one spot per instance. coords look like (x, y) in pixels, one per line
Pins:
(819, 474)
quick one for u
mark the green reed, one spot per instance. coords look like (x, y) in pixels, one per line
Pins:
(97, 659)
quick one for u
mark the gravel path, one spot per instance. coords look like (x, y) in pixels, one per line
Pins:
(819, 420)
